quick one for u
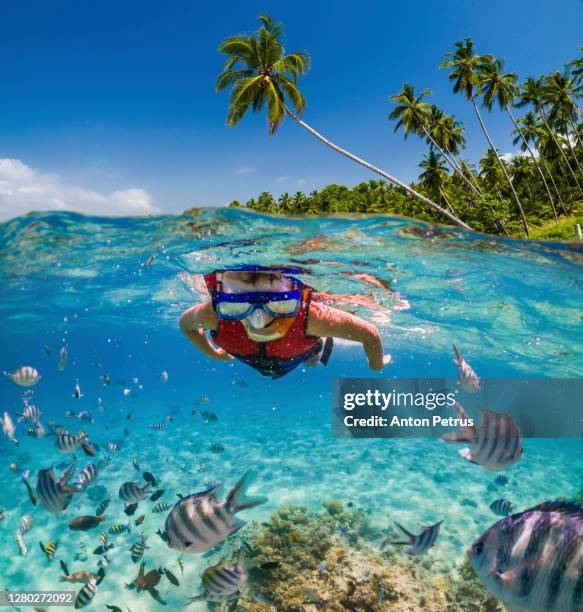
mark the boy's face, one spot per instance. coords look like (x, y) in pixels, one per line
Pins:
(258, 324)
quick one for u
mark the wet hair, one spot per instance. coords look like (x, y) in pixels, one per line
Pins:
(254, 277)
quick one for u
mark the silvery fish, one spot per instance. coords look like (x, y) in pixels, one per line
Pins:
(26, 376)
(534, 560)
(54, 495)
(20, 542)
(86, 594)
(419, 544)
(468, 379)
(85, 415)
(221, 582)
(495, 445)
(26, 523)
(30, 413)
(68, 443)
(8, 427)
(86, 477)
(200, 521)
(77, 392)
(63, 356)
(132, 492)
(103, 506)
(501, 507)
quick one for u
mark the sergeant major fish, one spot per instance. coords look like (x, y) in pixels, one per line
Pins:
(501, 507)
(132, 492)
(86, 594)
(138, 548)
(8, 427)
(419, 544)
(200, 521)
(54, 495)
(26, 376)
(468, 379)
(495, 445)
(221, 583)
(30, 413)
(67, 443)
(534, 560)
(49, 549)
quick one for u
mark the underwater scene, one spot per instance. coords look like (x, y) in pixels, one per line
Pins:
(139, 474)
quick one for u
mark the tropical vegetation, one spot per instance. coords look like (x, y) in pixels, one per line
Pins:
(536, 192)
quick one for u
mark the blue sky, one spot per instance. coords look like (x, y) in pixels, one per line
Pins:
(111, 107)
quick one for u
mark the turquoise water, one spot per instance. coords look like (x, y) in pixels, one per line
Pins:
(113, 289)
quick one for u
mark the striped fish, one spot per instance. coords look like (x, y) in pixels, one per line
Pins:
(8, 427)
(26, 376)
(54, 495)
(158, 426)
(103, 506)
(468, 379)
(112, 447)
(86, 594)
(57, 429)
(495, 445)
(419, 544)
(30, 413)
(68, 443)
(161, 507)
(49, 549)
(138, 549)
(63, 356)
(21, 544)
(38, 431)
(85, 416)
(501, 507)
(200, 521)
(132, 492)
(221, 582)
(534, 560)
(26, 523)
(86, 477)
(117, 529)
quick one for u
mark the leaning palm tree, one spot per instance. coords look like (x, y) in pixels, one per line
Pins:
(532, 93)
(260, 75)
(414, 116)
(434, 176)
(466, 67)
(502, 88)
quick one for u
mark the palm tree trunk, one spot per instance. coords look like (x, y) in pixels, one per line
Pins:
(470, 174)
(376, 170)
(558, 192)
(442, 194)
(574, 155)
(559, 147)
(534, 160)
(514, 194)
(451, 162)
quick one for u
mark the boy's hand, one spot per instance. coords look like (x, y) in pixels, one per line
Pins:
(380, 365)
(220, 355)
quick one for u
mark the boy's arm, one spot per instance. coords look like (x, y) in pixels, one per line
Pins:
(326, 321)
(194, 322)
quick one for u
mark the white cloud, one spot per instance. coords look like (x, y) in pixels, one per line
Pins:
(245, 170)
(301, 182)
(281, 179)
(23, 189)
(508, 157)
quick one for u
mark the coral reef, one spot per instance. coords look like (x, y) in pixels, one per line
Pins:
(309, 561)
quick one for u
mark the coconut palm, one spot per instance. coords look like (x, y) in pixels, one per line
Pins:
(502, 88)
(466, 67)
(260, 75)
(414, 116)
(522, 171)
(529, 131)
(532, 92)
(490, 171)
(434, 176)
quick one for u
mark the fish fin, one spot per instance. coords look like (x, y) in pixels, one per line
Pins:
(236, 500)
(457, 356)
(563, 507)
(409, 535)
(463, 434)
(467, 454)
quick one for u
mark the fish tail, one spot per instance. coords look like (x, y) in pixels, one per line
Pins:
(457, 356)
(236, 500)
(200, 597)
(408, 534)
(463, 434)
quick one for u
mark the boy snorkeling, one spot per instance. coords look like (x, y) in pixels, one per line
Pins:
(269, 320)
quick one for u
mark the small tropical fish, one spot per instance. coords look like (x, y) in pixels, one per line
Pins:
(181, 566)
(85, 523)
(199, 522)
(495, 445)
(30, 413)
(54, 495)
(164, 376)
(139, 520)
(86, 477)
(105, 379)
(158, 426)
(132, 492)
(209, 417)
(161, 507)
(501, 480)
(501, 507)
(8, 427)
(145, 581)
(171, 577)
(63, 357)
(83, 577)
(112, 447)
(2, 514)
(70, 414)
(149, 478)
(49, 549)
(156, 494)
(88, 449)
(116, 529)
(130, 509)
(85, 416)
(126, 392)
(77, 392)
(466, 375)
(26, 376)
(46, 350)
(86, 594)
(203, 400)
(103, 506)
(20, 542)
(533, 560)
(26, 523)
(217, 448)
(113, 608)
(419, 544)
(37, 431)
(221, 582)
(14, 467)
(31, 494)
(138, 548)
(240, 383)
(64, 567)
(67, 443)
